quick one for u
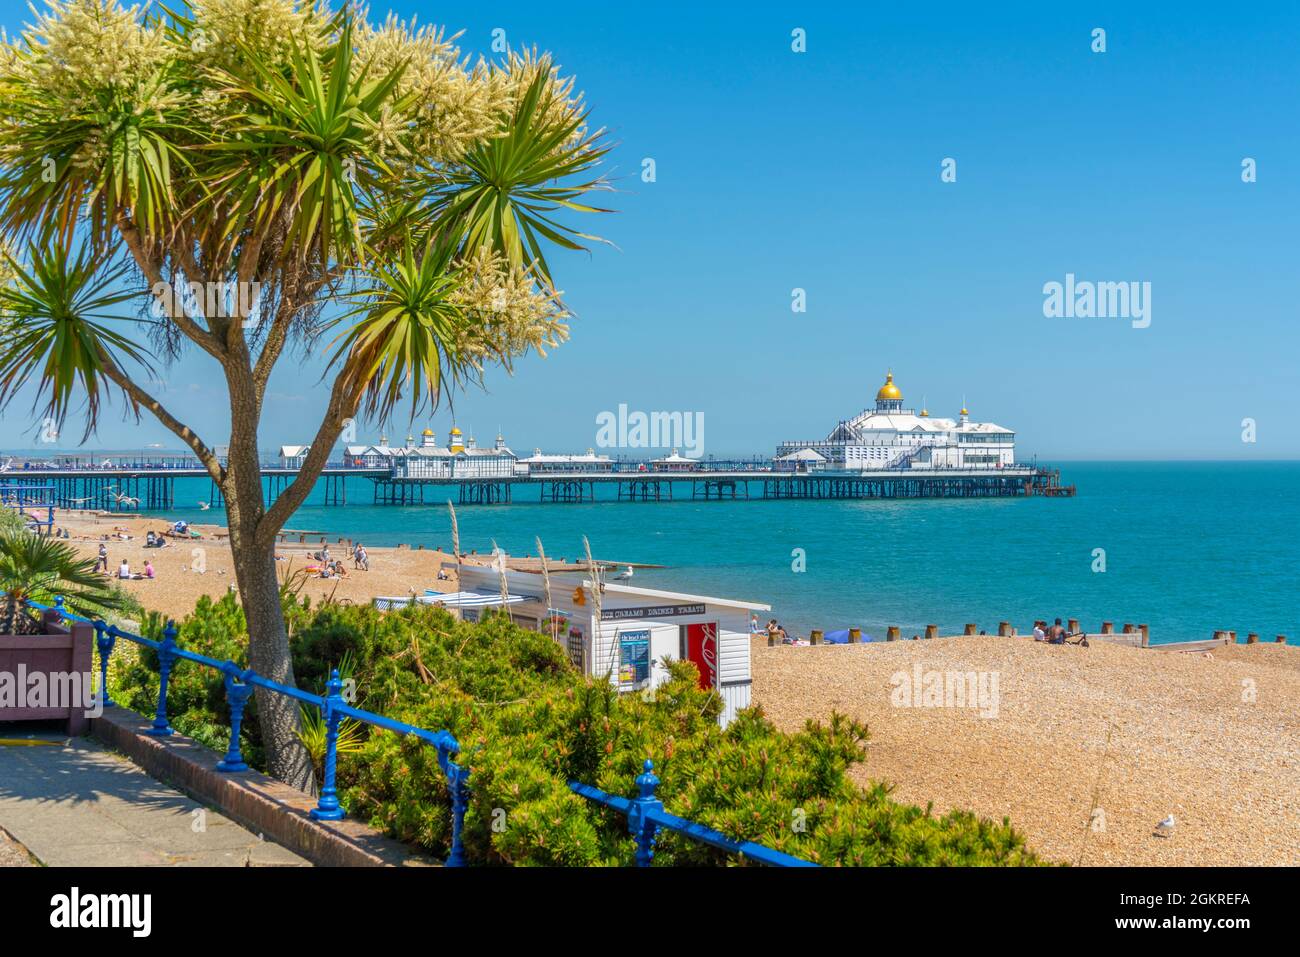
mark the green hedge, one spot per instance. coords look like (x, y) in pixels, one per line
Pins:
(528, 723)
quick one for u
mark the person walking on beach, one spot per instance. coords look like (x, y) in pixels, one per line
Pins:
(103, 559)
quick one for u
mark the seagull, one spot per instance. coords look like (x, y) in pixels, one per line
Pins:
(624, 576)
(1165, 827)
(204, 506)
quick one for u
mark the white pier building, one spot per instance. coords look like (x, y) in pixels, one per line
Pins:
(893, 437)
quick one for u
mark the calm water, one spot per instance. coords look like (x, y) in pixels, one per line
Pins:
(1189, 547)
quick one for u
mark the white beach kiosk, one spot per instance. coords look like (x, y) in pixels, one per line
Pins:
(638, 627)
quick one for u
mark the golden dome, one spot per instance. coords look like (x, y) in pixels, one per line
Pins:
(889, 390)
(455, 431)
(924, 413)
(963, 411)
(427, 432)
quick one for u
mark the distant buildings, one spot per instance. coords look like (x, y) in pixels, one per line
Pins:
(892, 437)
(293, 456)
(459, 458)
(674, 463)
(587, 462)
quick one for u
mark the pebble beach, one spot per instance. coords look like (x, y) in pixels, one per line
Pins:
(1090, 747)
(1088, 750)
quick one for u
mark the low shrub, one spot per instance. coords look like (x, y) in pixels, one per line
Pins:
(528, 723)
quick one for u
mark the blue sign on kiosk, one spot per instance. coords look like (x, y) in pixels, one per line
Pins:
(633, 658)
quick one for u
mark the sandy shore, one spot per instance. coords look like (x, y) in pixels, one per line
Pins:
(179, 582)
(1134, 733)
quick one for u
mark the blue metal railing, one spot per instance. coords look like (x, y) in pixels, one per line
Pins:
(646, 817)
(645, 813)
(240, 683)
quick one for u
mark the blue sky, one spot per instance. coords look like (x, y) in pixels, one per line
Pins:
(821, 170)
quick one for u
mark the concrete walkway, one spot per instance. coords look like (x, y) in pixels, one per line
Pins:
(71, 802)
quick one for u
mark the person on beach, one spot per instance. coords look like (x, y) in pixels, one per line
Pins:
(754, 629)
(124, 570)
(1039, 634)
(103, 559)
(1058, 633)
(148, 569)
(363, 558)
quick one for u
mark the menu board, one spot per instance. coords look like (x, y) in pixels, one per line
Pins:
(633, 658)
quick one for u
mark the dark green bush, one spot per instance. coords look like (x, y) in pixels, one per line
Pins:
(528, 723)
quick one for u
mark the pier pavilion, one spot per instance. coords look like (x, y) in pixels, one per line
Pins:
(891, 436)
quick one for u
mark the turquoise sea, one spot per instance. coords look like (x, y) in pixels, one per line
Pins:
(1189, 548)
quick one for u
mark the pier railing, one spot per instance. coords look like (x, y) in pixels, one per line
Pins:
(645, 814)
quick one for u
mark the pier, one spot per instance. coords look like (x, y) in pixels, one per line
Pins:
(122, 489)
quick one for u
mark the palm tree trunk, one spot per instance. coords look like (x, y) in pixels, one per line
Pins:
(259, 592)
(268, 655)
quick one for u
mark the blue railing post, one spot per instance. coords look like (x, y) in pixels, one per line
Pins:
(104, 640)
(327, 808)
(166, 654)
(237, 693)
(58, 606)
(458, 785)
(642, 829)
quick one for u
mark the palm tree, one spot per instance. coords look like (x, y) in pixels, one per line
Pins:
(232, 168)
(38, 569)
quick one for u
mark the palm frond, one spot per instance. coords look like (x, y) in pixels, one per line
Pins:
(508, 190)
(51, 330)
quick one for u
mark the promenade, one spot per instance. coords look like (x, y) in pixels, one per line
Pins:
(72, 802)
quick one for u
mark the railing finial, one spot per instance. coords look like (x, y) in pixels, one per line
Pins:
(166, 655)
(238, 689)
(328, 808)
(639, 824)
(104, 641)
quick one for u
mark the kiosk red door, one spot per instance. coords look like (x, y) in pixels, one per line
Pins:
(702, 648)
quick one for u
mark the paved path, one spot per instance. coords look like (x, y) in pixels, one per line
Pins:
(75, 803)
